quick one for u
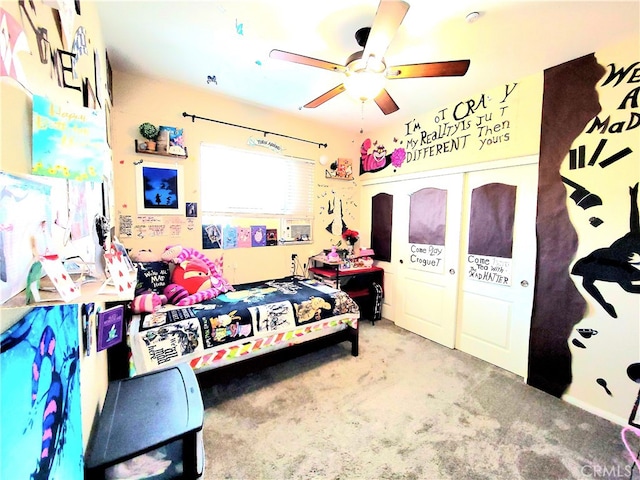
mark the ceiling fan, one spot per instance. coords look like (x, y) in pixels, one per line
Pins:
(366, 68)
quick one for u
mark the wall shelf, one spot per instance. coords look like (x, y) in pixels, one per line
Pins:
(162, 154)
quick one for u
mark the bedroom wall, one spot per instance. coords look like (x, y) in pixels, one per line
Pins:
(138, 99)
(26, 71)
(580, 354)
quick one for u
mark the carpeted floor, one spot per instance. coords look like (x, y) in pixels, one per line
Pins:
(406, 408)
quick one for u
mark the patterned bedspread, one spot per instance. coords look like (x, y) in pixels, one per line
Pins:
(256, 316)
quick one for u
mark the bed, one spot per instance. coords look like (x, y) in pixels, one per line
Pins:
(256, 319)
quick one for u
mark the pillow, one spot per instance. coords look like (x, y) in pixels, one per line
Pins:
(153, 277)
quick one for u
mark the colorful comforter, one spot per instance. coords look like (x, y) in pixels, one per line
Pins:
(257, 317)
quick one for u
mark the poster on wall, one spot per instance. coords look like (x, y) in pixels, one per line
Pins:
(211, 236)
(488, 269)
(18, 231)
(42, 436)
(428, 258)
(159, 189)
(68, 141)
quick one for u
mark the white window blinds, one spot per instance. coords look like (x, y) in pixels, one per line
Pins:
(241, 182)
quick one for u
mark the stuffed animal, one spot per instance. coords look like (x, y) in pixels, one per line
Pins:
(193, 274)
(144, 255)
(178, 254)
(192, 282)
(148, 302)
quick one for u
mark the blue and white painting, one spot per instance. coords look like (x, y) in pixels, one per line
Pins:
(68, 141)
(41, 435)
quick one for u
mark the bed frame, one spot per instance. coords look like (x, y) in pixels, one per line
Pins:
(226, 373)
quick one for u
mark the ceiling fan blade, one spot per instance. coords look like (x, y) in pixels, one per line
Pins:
(312, 62)
(454, 68)
(325, 96)
(385, 25)
(385, 102)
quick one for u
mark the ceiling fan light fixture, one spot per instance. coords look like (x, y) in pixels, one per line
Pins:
(364, 78)
(364, 85)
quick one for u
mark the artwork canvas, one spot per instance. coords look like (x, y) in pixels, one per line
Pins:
(42, 437)
(171, 140)
(258, 236)
(230, 237)
(68, 141)
(272, 237)
(159, 189)
(211, 236)
(244, 237)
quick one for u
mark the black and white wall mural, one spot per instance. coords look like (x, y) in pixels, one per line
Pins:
(585, 333)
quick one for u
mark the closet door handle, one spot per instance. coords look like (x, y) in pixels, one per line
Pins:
(452, 271)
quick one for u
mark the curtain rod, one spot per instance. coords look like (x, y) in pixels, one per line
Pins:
(193, 119)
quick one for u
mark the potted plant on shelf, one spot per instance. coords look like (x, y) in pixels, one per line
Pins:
(150, 132)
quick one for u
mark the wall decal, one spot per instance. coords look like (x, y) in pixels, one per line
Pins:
(595, 221)
(565, 113)
(64, 12)
(374, 157)
(66, 63)
(97, 76)
(619, 263)
(337, 225)
(603, 383)
(78, 48)
(583, 197)
(587, 332)
(578, 343)
(42, 39)
(589, 262)
(577, 157)
(109, 77)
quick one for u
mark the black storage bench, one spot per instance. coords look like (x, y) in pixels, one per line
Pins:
(150, 426)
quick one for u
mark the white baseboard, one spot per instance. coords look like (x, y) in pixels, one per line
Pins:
(623, 422)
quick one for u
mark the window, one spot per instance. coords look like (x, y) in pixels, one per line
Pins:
(238, 184)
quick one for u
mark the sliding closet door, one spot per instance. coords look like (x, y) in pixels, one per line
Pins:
(427, 223)
(498, 248)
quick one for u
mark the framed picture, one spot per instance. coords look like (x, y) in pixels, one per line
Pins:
(159, 189)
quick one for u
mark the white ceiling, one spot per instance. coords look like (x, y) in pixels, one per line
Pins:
(188, 41)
